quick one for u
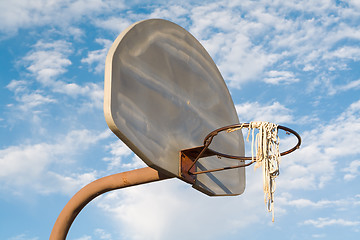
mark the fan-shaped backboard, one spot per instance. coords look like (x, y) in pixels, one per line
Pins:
(163, 94)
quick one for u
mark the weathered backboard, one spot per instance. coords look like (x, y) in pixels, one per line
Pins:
(163, 94)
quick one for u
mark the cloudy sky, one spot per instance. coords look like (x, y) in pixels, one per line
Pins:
(295, 63)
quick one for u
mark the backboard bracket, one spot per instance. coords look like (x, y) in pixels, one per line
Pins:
(187, 158)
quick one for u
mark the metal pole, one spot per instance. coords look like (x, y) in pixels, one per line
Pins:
(96, 188)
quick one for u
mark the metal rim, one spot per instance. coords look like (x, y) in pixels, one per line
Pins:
(208, 139)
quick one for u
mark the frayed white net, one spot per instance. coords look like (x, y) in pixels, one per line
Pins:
(265, 153)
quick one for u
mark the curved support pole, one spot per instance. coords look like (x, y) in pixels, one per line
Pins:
(96, 188)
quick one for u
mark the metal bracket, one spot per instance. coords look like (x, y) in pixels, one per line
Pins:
(187, 158)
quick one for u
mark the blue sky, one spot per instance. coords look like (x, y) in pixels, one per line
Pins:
(295, 63)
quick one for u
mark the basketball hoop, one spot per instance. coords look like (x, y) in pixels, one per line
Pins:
(189, 157)
(267, 155)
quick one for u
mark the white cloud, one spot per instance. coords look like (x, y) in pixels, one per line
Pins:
(32, 100)
(209, 17)
(244, 62)
(325, 222)
(18, 86)
(18, 14)
(313, 172)
(352, 85)
(97, 57)
(23, 237)
(28, 100)
(135, 162)
(119, 151)
(279, 77)
(228, 38)
(150, 211)
(31, 166)
(84, 238)
(115, 24)
(102, 234)
(173, 13)
(48, 60)
(93, 91)
(355, 4)
(287, 200)
(314, 164)
(52, 182)
(308, 67)
(347, 52)
(98, 234)
(29, 161)
(318, 235)
(247, 39)
(352, 171)
(253, 111)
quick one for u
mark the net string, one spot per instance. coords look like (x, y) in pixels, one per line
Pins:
(265, 153)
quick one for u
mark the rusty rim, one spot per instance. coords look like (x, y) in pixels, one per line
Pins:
(208, 139)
